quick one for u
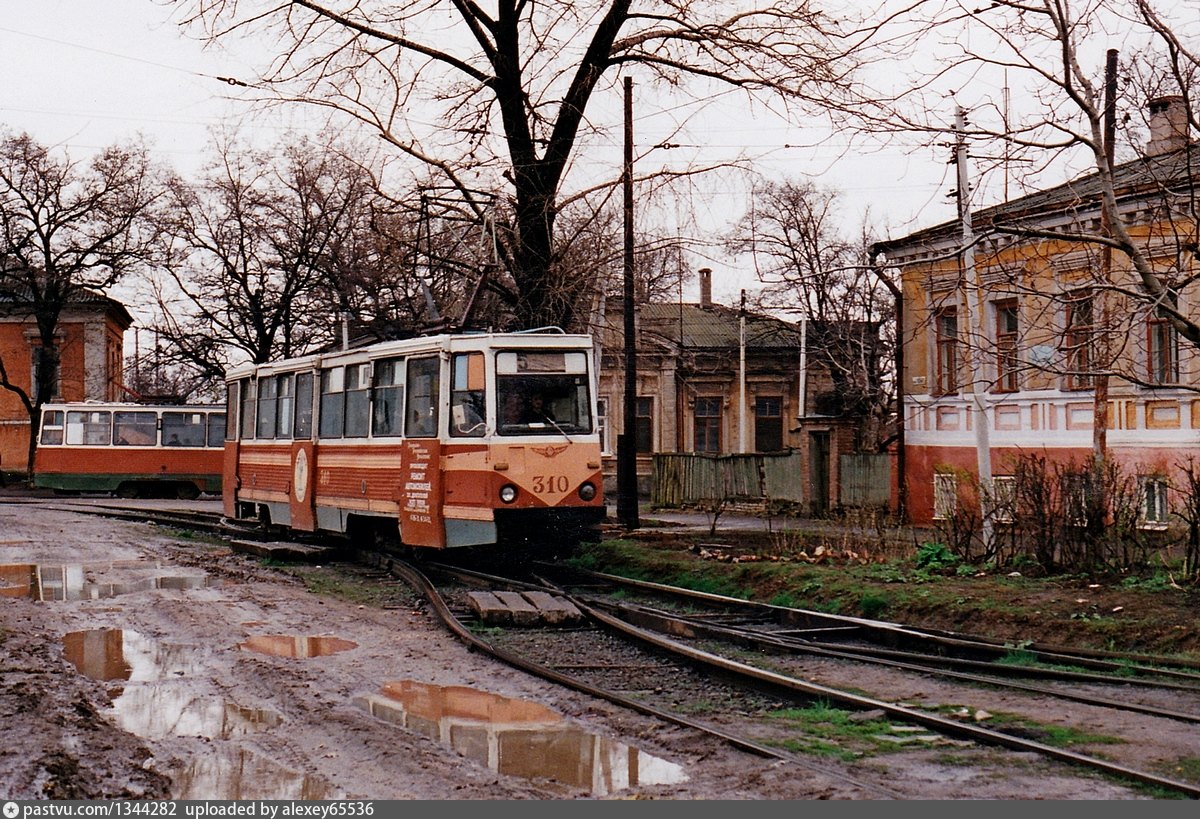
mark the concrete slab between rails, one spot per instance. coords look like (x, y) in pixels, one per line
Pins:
(281, 550)
(531, 608)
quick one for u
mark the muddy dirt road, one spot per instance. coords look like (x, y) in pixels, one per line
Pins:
(160, 666)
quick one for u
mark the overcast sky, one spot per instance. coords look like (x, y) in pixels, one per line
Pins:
(82, 75)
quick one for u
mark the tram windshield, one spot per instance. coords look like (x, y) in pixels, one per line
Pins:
(542, 393)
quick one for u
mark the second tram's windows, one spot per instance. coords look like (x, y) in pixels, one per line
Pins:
(184, 429)
(135, 428)
(91, 428)
(52, 427)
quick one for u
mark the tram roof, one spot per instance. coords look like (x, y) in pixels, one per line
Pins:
(436, 343)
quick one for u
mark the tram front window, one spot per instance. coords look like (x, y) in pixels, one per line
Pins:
(544, 404)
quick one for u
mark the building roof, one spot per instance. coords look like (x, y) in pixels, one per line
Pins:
(716, 327)
(11, 297)
(1137, 179)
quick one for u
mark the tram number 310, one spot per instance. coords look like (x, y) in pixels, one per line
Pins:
(551, 484)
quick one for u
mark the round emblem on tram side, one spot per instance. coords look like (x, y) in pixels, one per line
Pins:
(300, 475)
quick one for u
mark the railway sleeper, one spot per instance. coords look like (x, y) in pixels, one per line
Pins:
(528, 608)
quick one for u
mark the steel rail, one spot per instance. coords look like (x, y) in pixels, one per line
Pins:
(821, 692)
(665, 622)
(901, 633)
(423, 586)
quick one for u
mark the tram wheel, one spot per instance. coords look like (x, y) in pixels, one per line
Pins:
(187, 491)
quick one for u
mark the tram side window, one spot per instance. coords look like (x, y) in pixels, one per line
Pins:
(422, 413)
(90, 428)
(135, 428)
(183, 429)
(302, 430)
(52, 427)
(358, 400)
(267, 398)
(285, 399)
(246, 396)
(216, 429)
(467, 395)
(333, 383)
(231, 411)
(389, 397)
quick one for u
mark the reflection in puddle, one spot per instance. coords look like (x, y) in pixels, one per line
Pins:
(235, 773)
(285, 645)
(518, 738)
(153, 708)
(71, 581)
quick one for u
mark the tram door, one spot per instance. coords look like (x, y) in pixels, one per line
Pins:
(229, 462)
(302, 494)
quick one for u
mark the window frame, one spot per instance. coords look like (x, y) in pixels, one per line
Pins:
(1007, 345)
(1157, 518)
(946, 369)
(706, 427)
(1162, 351)
(1078, 337)
(770, 402)
(945, 495)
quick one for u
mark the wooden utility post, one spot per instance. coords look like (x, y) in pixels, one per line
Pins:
(1100, 380)
(627, 492)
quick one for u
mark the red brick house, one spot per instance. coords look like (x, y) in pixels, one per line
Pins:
(91, 332)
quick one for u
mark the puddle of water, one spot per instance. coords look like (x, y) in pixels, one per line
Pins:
(70, 581)
(286, 645)
(116, 654)
(236, 773)
(518, 738)
(161, 700)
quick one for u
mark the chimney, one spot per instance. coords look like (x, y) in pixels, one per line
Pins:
(1168, 125)
(706, 287)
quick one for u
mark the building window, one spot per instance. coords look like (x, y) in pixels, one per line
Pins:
(1078, 339)
(1004, 498)
(768, 423)
(945, 495)
(643, 425)
(1162, 348)
(53, 373)
(946, 322)
(1154, 510)
(602, 424)
(1007, 324)
(1075, 492)
(707, 414)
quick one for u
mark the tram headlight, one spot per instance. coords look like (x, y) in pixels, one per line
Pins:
(508, 493)
(587, 491)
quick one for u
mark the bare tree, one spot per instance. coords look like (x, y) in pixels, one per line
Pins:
(481, 95)
(261, 248)
(67, 227)
(793, 233)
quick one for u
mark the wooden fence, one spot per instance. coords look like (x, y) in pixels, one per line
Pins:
(680, 479)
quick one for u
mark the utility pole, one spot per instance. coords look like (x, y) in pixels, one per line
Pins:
(1100, 382)
(973, 307)
(742, 376)
(627, 492)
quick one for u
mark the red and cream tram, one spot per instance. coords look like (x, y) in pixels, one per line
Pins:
(133, 450)
(440, 441)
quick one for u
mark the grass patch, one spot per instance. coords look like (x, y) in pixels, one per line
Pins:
(825, 731)
(332, 582)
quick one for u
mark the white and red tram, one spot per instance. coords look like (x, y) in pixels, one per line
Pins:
(440, 441)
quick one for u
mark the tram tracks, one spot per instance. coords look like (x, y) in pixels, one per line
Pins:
(689, 638)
